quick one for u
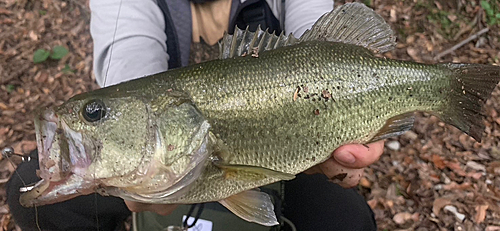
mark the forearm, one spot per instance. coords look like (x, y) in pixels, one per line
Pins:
(136, 49)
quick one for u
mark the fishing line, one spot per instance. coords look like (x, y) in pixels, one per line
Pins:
(112, 43)
(102, 112)
(7, 153)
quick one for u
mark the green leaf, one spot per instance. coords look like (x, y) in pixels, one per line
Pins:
(67, 69)
(42, 12)
(485, 4)
(10, 88)
(58, 52)
(497, 15)
(40, 55)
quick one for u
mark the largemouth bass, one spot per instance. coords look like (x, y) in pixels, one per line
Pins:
(270, 108)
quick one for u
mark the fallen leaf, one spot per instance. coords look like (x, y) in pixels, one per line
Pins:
(455, 166)
(393, 18)
(3, 106)
(438, 204)
(4, 222)
(475, 175)
(492, 228)
(33, 36)
(365, 182)
(452, 17)
(480, 213)
(438, 161)
(476, 166)
(4, 209)
(372, 203)
(413, 53)
(5, 11)
(401, 218)
(453, 185)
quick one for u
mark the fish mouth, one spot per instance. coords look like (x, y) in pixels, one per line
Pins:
(61, 155)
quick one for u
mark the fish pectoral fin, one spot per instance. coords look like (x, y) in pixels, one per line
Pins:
(253, 206)
(252, 172)
(395, 126)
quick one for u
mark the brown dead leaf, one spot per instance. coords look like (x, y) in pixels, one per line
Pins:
(33, 36)
(480, 213)
(5, 11)
(492, 228)
(5, 221)
(438, 161)
(475, 175)
(3, 106)
(439, 203)
(401, 218)
(365, 182)
(494, 168)
(455, 166)
(372, 203)
(453, 185)
(24, 146)
(413, 53)
(438, 5)
(393, 17)
(452, 17)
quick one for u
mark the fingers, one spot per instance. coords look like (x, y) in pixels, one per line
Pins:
(346, 165)
(162, 209)
(345, 177)
(358, 155)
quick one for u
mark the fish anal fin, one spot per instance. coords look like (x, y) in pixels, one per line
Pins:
(353, 23)
(251, 173)
(395, 126)
(253, 206)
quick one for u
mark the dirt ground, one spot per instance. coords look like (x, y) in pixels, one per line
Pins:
(431, 178)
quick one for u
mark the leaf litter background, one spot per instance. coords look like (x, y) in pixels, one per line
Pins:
(431, 178)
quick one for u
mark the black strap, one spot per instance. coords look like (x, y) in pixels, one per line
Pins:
(196, 217)
(253, 13)
(172, 41)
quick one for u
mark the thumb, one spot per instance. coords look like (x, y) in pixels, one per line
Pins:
(358, 155)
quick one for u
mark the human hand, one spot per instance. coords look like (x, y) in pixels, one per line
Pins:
(345, 166)
(162, 209)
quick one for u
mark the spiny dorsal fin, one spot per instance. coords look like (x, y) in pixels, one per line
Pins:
(395, 126)
(245, 42)
(353, 23)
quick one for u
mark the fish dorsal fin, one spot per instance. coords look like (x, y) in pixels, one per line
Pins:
(353, 23)
(245, 42)
(253, 206)
(395, 126)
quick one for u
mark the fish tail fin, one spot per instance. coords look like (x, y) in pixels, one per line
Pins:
(471, 85)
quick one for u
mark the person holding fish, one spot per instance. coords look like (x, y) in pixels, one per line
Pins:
(137, 38)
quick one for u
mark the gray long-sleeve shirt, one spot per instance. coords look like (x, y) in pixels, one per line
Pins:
(136, 30)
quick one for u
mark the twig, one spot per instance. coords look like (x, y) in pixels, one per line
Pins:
(460, 44)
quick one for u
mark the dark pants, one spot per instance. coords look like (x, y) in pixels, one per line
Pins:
(311, 203)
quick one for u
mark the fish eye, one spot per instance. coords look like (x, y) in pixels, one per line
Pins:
(93, 110)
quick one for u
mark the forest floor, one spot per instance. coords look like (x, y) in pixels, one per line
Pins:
(433, 177)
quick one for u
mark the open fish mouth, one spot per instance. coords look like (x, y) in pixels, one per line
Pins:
(61, 153)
